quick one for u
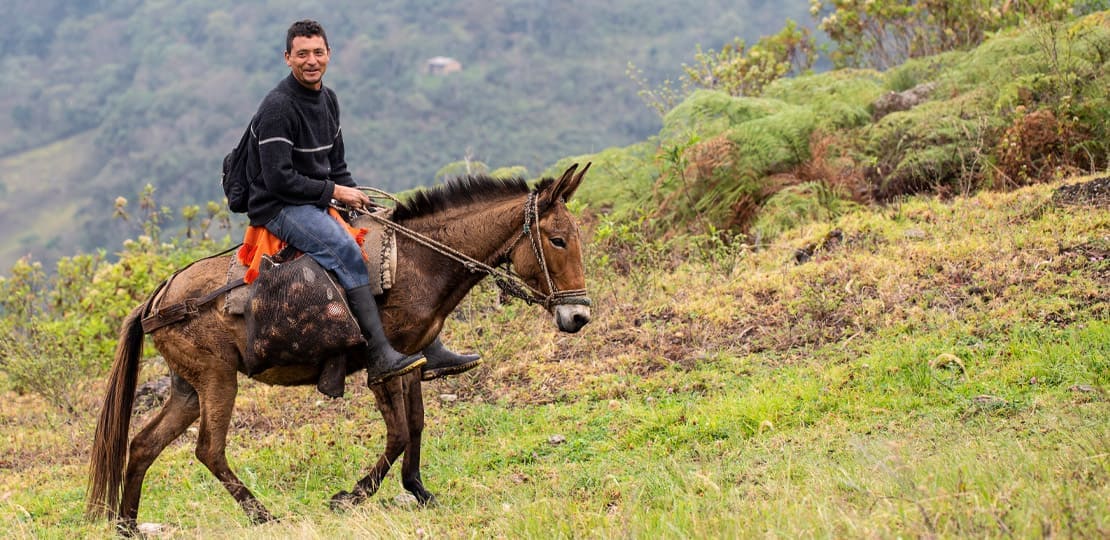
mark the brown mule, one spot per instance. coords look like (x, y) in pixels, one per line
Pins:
(486, 220)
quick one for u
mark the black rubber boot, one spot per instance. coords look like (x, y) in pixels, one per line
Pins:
(443, 361)
(332, 376)
(385, 361)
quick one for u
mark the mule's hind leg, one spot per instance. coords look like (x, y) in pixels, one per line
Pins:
(410, 466)
(390, 397)
(180, 411)
(217, 399)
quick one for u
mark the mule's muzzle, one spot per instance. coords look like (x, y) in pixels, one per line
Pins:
(571, 318)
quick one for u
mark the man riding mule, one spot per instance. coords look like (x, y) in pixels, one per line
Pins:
(297, 143)
(448, 239)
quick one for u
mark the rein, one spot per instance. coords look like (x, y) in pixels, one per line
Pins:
(509, 282)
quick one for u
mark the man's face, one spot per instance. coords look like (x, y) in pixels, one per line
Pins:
(308, 58)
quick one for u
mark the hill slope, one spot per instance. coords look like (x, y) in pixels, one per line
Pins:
(1030, 104)
(937, 368)
(937, 365)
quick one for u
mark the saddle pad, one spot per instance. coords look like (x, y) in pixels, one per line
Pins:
(235, 303)
(379, 245)
(380, 248)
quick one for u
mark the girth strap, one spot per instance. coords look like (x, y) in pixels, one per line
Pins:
(170, 314)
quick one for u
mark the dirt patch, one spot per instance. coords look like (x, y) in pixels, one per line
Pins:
(1092, 193)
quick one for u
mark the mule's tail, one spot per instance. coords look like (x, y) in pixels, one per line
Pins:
(109, 450)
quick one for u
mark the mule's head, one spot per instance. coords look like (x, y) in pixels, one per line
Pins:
(558, 238)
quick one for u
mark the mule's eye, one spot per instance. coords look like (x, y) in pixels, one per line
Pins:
(559, 242)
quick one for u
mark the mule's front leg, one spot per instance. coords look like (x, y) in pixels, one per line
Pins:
(410, 466)
(390, 397)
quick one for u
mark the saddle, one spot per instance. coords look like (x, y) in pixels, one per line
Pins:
(295, 311)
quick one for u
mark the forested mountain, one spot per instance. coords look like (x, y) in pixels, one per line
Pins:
(105, 96)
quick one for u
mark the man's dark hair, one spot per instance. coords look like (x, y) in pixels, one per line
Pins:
(305, 28)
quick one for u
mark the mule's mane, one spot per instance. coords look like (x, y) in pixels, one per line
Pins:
(463, 191)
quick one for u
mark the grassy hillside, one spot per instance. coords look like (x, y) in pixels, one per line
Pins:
(936, 368)
(783, 344)
(1029, 105)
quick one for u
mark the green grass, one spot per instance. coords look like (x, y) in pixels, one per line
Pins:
(943, 371)
(875, 446)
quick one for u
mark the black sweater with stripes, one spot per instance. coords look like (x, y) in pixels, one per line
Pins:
(298, 143)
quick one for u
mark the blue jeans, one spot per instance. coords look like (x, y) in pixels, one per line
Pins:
(311, 230)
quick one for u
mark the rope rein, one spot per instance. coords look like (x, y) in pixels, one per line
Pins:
(509, 282)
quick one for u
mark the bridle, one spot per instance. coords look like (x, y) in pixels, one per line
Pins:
(508, 281)
(556, 297)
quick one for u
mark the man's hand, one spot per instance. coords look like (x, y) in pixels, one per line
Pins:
(350, 196)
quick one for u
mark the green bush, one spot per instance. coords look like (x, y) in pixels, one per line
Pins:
(707, 113)
(59, 330)
(840, 99)
(885, 33)
(936, 146)
(741, 71)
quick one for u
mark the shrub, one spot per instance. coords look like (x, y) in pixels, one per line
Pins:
(933, 147)
(59, 330)
(1035, 148)
(884, 33)
(740, 71)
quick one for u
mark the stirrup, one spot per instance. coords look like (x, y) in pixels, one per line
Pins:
(333, 376)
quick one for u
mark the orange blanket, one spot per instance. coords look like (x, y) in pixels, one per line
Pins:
(258, 241)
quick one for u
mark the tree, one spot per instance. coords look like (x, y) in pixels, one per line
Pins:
(884, 33)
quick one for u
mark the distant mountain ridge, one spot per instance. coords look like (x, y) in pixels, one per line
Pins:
(117, 94)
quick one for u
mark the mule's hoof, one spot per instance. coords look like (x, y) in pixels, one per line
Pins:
(428, 500)
(344, 500)
(127, 528)
(257, 513)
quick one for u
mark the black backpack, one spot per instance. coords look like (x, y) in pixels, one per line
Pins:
(236, 176)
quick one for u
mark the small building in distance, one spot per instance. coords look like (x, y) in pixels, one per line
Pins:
(441, 65)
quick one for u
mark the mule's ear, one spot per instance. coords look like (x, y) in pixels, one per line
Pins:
(572, 186)
(568, 183)
(553, 193)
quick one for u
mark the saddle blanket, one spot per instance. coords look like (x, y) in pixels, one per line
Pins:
(379, 250)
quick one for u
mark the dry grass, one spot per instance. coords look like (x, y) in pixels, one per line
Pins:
(922, 264)
(733, 392)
